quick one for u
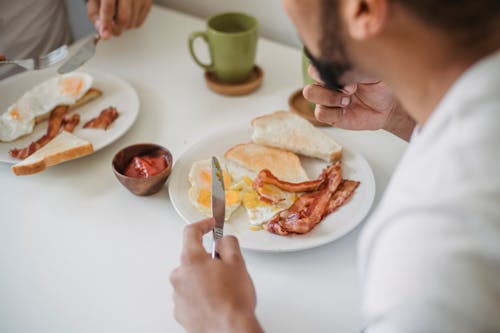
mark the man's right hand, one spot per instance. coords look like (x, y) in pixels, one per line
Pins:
(2, 57)
(362, 106)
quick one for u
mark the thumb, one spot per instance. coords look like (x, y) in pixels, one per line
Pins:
(229, 249)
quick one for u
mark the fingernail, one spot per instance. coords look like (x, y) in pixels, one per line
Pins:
(345, 101)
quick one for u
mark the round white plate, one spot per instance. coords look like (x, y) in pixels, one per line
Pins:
(116, 92)
(331, 228)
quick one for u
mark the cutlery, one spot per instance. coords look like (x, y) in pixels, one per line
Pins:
(218, 203)
(41, 62)
(84, 53)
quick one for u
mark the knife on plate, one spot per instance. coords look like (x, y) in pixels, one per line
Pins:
(218, 203)
(84, 53)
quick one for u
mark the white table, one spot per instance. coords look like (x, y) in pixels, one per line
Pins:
(79, 253)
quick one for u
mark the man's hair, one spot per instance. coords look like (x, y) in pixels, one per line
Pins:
(462, 19)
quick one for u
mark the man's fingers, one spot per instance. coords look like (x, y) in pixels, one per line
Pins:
(324, 96)
(136, 7)
(124, 13)
(229, 249)
(329, 115)
(146, 7)
(106, 15)
(193, 235)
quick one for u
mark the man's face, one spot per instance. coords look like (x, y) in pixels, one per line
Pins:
(320, 29)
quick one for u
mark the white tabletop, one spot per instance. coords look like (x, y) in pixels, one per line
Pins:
(79, 253)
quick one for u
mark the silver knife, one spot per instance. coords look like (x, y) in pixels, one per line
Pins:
(218, 203)
(84, 53)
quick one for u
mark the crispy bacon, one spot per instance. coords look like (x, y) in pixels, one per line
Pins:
(70, 121)
(105, 118)
(266, 177)
(56, 121)
(310, 208)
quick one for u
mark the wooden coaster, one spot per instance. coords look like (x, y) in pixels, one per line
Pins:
(301, 106)
(236, 89)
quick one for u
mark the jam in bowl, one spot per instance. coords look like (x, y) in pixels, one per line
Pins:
(143, 168)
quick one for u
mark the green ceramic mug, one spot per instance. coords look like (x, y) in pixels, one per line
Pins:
(232, 41)
(305, 76)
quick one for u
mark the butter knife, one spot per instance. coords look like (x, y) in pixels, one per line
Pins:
(84, 53)
(218, 203)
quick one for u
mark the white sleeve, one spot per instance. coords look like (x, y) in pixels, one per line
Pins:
(434, 272)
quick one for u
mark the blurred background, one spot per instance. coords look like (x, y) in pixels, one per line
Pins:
(273, 22)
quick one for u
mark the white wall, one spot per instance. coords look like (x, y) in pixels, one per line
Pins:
(273, 21)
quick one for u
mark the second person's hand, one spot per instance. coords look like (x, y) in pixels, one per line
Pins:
(111, 17)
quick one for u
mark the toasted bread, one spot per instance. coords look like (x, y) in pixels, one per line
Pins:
(64, 147)
(89, 96)
(291, 132)
(283, 164)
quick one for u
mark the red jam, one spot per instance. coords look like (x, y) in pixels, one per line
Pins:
(146, 165)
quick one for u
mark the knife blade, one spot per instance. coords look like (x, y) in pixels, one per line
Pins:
(218, 203)
(84, 53)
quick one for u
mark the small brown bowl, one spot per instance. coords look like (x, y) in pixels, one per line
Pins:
(141, 186)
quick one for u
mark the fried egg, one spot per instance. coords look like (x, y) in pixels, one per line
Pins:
(19, 118)
(258, 211)
(200, 177)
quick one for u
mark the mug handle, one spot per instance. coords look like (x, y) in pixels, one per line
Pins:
(192, 37)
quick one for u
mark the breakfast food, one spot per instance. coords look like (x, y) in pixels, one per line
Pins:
(104, 119)
(200, 177)
(59, 119)
(146, 165)
(72, 90)
(311, 207)
(65, 146)
(283, 164)
(291, 132)
(268, 179)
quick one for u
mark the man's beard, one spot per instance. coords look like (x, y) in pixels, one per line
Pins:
(330, 71)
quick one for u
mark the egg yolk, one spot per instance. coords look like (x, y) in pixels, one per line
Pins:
(251, 200)
(14, 113)
(71, 86)
(204, 197)
(206, 178)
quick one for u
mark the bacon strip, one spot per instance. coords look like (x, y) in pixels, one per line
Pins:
(56, 121)
(310, 208)
(105, 118)
(267, 177)
(70, 121)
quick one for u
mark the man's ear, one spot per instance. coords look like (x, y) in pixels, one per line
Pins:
(365, 18)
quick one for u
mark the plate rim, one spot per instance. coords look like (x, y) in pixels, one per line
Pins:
(245, 125)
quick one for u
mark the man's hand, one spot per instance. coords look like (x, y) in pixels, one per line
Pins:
(2, 57)
(213, 295)
(111, 17)
(362, 106)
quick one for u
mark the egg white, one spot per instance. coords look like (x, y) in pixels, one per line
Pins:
(40, 100)
(199, 178)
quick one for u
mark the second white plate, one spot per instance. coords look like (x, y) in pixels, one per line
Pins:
(116, 92)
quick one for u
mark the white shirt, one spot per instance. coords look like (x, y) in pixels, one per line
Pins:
(430, 255)
(31, 28)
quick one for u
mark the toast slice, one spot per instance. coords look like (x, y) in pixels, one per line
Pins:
(288, 131)
(283, 164)
(64, 147)
(89, 96)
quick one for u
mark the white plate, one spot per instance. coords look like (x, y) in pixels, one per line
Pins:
(331, 228)
(116, 92)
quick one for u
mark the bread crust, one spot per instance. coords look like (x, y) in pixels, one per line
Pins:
(290, 132)
(79, 149)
